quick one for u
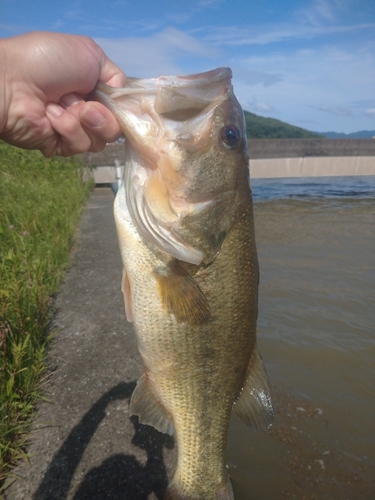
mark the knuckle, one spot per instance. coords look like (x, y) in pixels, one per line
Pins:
(97, 146)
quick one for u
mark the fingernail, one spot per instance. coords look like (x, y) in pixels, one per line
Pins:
(54, 109)
(71, 99)
(92, 117)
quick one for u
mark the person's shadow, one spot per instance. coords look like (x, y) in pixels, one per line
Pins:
(119, 477)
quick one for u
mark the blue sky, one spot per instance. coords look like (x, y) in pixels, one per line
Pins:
(309, 63)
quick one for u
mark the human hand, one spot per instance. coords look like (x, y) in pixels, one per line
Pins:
(45, 77)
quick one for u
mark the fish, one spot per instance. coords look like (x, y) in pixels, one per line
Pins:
(185, 226)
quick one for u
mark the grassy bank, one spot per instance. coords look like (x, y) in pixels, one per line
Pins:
(40, 204)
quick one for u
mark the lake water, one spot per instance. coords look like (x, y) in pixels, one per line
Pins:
(314, 187)
(316, 330)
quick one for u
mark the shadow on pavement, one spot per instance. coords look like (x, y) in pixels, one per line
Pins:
(119, 477)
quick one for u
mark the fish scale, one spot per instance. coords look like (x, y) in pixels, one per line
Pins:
(194, 309)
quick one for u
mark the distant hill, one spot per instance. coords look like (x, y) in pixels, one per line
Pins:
(362, 134)
(258, 127)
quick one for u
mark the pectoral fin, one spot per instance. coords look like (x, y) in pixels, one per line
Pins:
(149, 408)
(181, 295)
(254, 405)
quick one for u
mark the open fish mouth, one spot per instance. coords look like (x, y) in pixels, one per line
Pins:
(147, 107)
(174, 125)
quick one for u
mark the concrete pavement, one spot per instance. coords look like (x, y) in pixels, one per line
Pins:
(83, 443)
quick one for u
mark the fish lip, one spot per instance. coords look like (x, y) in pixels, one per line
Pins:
(151, 85)
(135, 85)
(213, 74)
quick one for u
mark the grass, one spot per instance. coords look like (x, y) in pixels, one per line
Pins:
(40, 205)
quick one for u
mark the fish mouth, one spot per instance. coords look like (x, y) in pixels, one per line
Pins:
(160, 115)
(174, 98)
(182, 97)
(169, 122)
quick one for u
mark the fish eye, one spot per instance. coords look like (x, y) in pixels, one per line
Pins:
(231, 136)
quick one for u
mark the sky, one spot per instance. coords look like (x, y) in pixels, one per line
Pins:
(309, 63)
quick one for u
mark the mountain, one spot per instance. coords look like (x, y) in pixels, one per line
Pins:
(362, 134)
(258, 127)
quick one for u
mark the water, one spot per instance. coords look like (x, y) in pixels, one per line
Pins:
(316, 330)
(317, 187)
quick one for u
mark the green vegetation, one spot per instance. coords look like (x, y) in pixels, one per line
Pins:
(41, 201)
(258, 127)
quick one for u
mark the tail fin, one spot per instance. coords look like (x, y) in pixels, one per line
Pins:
(175, 493)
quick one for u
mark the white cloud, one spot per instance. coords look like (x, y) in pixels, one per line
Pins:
(312, 21)
(299, 85)
(12, 29)
(260, 108)
(317, 12)
(210, 3)
(253, 76)
(310, 85)
(302, 72)
(75, 15)
(157, 54)
(276, 33)
(336, 111)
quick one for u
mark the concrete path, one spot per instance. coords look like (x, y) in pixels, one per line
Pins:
(83, 444)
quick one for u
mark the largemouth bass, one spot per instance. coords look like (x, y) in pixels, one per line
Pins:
(185, 225)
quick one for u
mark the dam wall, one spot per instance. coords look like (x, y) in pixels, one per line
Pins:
(293, 148)
(311, 166)
(271, 158)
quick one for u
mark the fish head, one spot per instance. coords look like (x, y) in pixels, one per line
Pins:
(186, 175)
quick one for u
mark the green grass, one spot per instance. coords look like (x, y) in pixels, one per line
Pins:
(40, 205)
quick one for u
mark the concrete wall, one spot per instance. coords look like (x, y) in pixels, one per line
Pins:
(312, 166)
(275, 158)
(105, 175)
(266, 148)
(294, 148)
